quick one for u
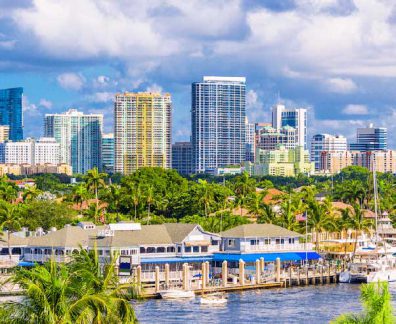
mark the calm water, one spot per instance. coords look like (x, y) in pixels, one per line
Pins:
(312, 304)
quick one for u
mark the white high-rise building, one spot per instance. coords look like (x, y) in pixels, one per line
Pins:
(142, 131)
(293, 117)
(250, 139)
(218, 122)
(326, 143)
(43, 151)
(79, 136)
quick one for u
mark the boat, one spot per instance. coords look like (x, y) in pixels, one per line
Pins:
(177, 294)
(213, 299)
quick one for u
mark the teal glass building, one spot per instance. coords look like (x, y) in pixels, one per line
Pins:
(11, 112)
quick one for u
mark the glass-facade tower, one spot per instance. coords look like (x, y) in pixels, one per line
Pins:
(218, 122)
(11, 112)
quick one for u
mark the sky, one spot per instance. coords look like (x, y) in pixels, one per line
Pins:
(335, 57)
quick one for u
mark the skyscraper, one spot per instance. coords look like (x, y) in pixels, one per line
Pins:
(108, 153)
(370, 139)
(182, 157)
(142, 131)
(293, 117)
(11, 112)
(218, 122)
(80, 138)
(326, 143)
(250, 140)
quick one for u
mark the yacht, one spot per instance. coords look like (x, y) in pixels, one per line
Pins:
(176, 294)
(213, 299)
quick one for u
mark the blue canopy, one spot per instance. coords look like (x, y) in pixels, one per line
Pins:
(268, 257)
(26, 264)
(175, 260)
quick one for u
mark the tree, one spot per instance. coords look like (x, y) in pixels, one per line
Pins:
(80, 194)
(287, 216)
(320, 218)
(206, 195)
(8, 192)
(244, 185)
(136, 195)
(268, 215)
(10, 221)
(69, 293)
(376, 300)
(30, 193)
(95, 180)
(149, 195)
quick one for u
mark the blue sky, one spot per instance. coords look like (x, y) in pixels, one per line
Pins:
(335, 57)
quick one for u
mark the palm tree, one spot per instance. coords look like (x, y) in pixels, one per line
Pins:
(95, 180)
(268, 215)
(206, 197)
(149, 200)
(320, 218)
(243, 187)
(80, 194)
(30, 193)
(59, 293)
(115, 198)
(377, 303)
(10, 221)
(287, 216)
(136, 195)
(7, 191)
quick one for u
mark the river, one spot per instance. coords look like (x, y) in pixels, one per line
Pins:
(311, 304)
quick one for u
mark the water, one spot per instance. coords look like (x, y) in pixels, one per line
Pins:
(312, 304)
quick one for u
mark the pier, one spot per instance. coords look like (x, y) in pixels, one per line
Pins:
(239, 279)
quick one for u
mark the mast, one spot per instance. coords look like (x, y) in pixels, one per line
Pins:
(375, 202)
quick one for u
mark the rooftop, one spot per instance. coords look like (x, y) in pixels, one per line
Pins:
(259, 230)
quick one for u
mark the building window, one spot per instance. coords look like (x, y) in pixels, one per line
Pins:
(196, 249)
(179, 249)
(142, 250)
(170, 249)
(187, 249)
(254, 242)
(151, 250)
(160, 249)
(204, 249)
(231, 242)
(267, 241)
(291, 240)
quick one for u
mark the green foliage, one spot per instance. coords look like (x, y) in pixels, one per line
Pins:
(221, 221)
(376, 300)
(46, 214)
(77, 292)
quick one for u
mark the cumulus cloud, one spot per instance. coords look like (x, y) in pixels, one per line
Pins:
(101, 97)
(154, 88)
(31, 109)
(71, 81)
(339, 85)
(355, 110)
(45, 103)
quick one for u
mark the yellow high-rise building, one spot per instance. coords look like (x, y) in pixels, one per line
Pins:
(4, 133)
(142, 131)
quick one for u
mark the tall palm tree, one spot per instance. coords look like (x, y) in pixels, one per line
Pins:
(79, 194)
(9, 221)
(95, 180)
(30, 193)
(136, 196)
(206, 196)
(268, 215)
(320, 218)
(287, 216)
(115, 198)
(244, 186)
(149, 200)
(7, 191)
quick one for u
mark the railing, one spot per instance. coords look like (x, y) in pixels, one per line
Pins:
(278, 247)
(149, 276)
(45, 257)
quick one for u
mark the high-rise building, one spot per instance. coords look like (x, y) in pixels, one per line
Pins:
(142, 131)
(293, 117)
(182, 157)
(79, 136)
(370, 139)
(43, 151)
(4, 133)
(328, 143)
(250, 140)
(281, 162)
(108, 153)
(11, 112)
(218, 122)
(269, 138)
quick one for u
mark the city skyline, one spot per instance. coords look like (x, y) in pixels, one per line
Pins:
(342, 86)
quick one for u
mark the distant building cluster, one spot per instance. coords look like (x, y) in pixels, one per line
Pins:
(223, 141)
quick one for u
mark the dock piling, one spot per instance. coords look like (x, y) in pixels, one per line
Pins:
(277, 270)
(167, 274)
(241, 272)
(224, 273)
(157, 279)
(258, 272)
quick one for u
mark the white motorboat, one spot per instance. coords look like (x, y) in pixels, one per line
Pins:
(213, 299)
(177, 294)
(357, 273)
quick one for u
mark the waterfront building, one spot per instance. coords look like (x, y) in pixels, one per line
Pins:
(79, 136)
(269, 138)
(250, 139)
(218, 122)
(108, 153)
(281, 162)
(182, 157)
(4, 133)
(370, 139)
(293, 117)
(11, 112)
(142, 131)
(326, 143)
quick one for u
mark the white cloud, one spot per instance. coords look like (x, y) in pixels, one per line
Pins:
(32, 109)
(355, 110)
(339, 85)
(71, 81)
(45, 103)
(101, 97)
(154, 88)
